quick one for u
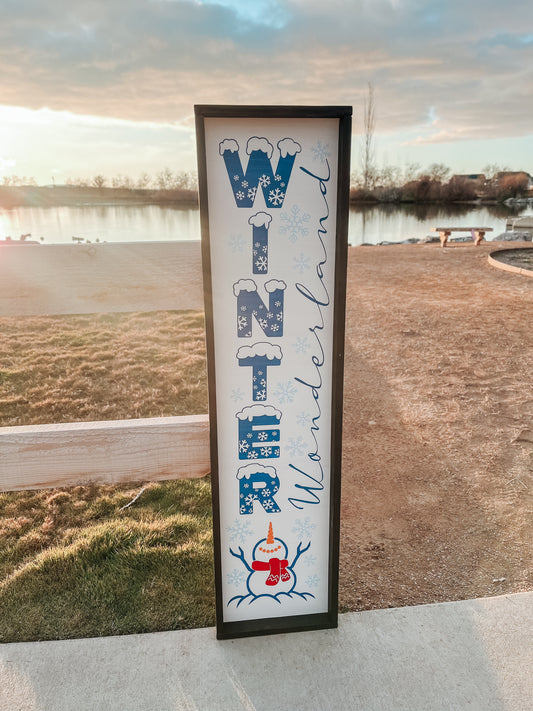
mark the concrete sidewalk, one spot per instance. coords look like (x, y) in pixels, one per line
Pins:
(475, 655)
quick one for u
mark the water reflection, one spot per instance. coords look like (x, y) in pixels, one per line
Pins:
(368, 224)
(372, 224)
(102, 223)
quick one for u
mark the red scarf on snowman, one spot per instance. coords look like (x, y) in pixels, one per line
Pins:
(277, 570)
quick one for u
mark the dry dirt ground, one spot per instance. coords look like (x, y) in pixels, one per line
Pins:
(437, 483)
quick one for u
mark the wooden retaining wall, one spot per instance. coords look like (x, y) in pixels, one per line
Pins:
(99, 278)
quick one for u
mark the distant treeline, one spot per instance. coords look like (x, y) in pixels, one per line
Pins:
(166, 187)
(50, 196)
(166, 179)
(390, 184)
(434, 185)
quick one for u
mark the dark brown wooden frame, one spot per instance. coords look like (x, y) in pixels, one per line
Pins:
(227, 630)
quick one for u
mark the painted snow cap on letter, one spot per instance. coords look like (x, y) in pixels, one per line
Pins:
(244, 285)
(288, 147)
(260, 219)
(252, 411)
(275, 285)
(228, 144)
(250, 469)
(259, 144)
(261, 350)
(250, 285)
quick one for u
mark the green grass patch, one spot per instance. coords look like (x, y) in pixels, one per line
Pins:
(101, 367)
(72, 564)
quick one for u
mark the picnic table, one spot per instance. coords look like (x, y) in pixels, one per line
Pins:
(477, 233)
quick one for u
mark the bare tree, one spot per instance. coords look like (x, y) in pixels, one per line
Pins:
(165, 179)
(144, 180)
(369, 123)
(438, 172)
(390, 176)
(410, 171)
(99, 181)
(491, 170)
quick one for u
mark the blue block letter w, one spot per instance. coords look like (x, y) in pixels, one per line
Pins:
(259, 172)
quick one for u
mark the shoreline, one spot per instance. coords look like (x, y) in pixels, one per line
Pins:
(76, 196)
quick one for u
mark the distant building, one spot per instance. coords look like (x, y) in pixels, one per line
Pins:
(474, 177)
(504, 174)
(477, 181)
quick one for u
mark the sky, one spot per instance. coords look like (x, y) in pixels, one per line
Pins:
(108, 87)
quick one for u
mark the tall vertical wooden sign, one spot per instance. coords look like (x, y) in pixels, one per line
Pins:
(274, 206)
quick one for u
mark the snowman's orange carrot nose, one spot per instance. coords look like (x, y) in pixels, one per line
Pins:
(270, 536)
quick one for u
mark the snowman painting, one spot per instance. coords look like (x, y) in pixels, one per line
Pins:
(270, 574)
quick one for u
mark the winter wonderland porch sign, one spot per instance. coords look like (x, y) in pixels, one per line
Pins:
(273, 195)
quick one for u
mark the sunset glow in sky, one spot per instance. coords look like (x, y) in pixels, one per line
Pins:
(109, 86)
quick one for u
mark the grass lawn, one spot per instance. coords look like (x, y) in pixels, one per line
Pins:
(74, 562)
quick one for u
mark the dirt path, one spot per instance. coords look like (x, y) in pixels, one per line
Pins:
(437, 497)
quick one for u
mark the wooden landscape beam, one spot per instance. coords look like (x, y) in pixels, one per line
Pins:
(152, 449)
(97, 278)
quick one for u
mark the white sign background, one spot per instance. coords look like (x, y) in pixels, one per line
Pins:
(298, 391)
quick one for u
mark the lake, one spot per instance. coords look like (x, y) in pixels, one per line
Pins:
(368, 224)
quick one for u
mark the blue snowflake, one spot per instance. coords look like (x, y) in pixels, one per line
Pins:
(303, 419)
(240, 530)
(301, 263)
(321, 151)
(236, 577)
(237, 395)
(294, 223)
(303, 528)
(236, 243)
(302, 345)
(312, 581)
(296, 446)
(285, 392)
(310, 560)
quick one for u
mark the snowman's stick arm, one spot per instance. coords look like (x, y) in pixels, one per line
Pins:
(299, 552)
(241, 557)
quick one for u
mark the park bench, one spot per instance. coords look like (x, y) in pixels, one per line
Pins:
(477, 233)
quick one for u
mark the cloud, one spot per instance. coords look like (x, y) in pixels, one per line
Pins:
(269, 13)
(151, 61)
(43, 140)
(6, 164)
